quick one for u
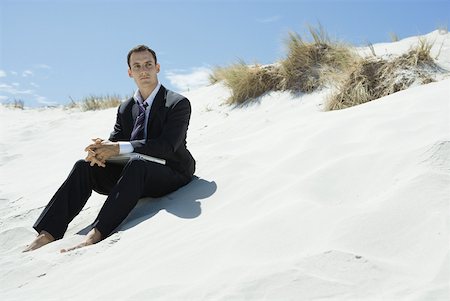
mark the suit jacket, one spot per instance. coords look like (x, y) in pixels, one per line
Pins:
(166, 129)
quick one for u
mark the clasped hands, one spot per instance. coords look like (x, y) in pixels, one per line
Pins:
(100, 151)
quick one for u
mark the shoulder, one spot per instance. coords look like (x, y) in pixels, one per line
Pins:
(126, 105)
(173, 98)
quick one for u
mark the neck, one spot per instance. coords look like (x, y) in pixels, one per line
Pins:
(146, 91)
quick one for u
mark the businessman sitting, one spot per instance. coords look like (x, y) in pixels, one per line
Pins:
(153, 122)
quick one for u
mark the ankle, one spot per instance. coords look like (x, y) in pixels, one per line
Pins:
(46, 235)
(97, 234)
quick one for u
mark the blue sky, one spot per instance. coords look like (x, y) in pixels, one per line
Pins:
(52, 51)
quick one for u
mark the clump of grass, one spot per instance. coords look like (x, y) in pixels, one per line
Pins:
(360, 86)
(312, 65)
(394, 37)
(373, 78)
(309, 64)
(372, 49)
(93, 102)
(247, 82)
(15, 104)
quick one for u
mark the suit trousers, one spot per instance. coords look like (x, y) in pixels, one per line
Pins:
(124, 185)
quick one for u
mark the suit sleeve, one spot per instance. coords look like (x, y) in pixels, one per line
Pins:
(173, 134)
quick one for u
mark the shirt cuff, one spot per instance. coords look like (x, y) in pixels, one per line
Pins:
(125, 148)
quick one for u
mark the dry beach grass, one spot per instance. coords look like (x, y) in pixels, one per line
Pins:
(312, 65)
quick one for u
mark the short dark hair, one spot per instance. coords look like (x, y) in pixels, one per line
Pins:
(140, 48)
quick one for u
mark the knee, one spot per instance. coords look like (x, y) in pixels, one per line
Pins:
(135, 166)
(81, 164)
(135, 163)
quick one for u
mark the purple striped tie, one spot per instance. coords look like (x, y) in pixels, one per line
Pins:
(139, 124)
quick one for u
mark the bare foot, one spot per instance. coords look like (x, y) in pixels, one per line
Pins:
(43, 238)
(94, 236)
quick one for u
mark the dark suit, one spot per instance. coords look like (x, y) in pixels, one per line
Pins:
(125, 184)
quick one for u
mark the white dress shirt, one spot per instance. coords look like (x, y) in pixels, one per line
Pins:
(126, 147)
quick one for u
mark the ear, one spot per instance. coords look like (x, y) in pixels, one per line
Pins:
(158, 67)
(129, 73)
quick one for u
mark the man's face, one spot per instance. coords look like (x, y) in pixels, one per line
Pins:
(143, 69)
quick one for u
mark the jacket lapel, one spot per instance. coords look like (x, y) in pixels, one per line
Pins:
(158, 102)
(134, 111)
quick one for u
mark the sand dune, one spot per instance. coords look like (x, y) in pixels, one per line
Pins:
(290, 203)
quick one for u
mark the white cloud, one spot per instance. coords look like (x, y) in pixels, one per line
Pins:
(34, 85)
(27, 73)
(269, 19)
(43, 66)
(5, 88)
(187, 80)
(14, 92)
(2, 73)
(14, 73)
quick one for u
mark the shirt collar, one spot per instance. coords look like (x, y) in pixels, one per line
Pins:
(138, 97)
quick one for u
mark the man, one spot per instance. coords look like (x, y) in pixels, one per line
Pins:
(153, 122)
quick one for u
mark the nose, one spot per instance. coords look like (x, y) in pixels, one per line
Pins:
(144, 72)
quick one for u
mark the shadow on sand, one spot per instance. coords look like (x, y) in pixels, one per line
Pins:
(183, 203)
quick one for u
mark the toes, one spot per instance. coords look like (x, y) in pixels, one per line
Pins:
(73, 248)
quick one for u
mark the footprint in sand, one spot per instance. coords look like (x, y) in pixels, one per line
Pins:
(113, 240)
(8, 158)
(438, 156)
